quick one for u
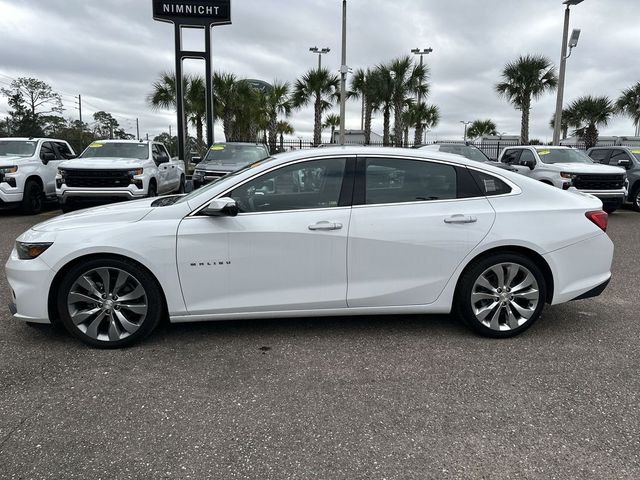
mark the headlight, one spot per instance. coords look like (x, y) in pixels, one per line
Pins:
(568, 175)
(136, 172)
(61, 173)
(31, 250)
(4, 170)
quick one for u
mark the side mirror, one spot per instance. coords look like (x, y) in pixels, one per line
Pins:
(222, 207)
(47, 157)
(529, 163)
(624, 163)
(196, 160)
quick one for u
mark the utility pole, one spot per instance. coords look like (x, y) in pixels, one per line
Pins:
(137, 129)
(170, 136)
(343, 71)
(466, 122)
(422, 53)
(79, 103)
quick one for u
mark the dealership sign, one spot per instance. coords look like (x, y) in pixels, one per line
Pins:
(193, 12)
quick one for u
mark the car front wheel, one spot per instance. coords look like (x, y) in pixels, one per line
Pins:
(109, 303)
(502, 295)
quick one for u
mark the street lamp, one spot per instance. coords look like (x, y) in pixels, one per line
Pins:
(465, 122)
(344, 69)
(563, 63)
(320, 52)
(422, 53)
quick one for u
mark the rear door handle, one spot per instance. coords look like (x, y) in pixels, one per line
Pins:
(325, 226)
(460, 219)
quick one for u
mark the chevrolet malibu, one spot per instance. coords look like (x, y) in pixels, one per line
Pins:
(337, 231)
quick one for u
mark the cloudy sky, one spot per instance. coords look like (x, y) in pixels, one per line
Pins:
(111, 51)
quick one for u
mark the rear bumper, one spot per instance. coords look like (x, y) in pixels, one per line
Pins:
(580, 268)
(595, 291)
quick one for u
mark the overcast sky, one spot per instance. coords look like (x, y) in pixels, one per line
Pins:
(111, 51)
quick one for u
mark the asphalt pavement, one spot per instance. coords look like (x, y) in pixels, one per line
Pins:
(395, 397)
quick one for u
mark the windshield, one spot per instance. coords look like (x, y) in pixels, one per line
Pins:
(197, 192)
(227, 154)
(17, 148)
(569, 155)
(121, 150)
(472, 153)
(636, 153)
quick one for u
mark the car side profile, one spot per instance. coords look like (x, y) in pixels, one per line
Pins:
(336, 231)
(627, 158)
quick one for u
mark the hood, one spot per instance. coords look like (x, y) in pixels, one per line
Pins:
(102, 163)
(588, 168)
(11, 161)
(125, 212)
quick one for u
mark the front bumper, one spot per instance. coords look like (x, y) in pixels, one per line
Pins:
(607, 194)
(99, 194)
(30, 281)
(9, 195)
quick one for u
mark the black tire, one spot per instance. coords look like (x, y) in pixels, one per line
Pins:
(635, 199)
(609, 210)
(183, 182)
(144, 326)
(465, 308)
(153, 189)
(32, 198)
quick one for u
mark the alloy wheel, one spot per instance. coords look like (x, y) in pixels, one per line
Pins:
(107, 304)
(505, 296)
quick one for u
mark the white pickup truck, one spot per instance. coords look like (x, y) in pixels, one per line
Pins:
(566, 167)
(28, 168)
(114, 170)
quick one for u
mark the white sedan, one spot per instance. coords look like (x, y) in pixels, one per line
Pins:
(336, 231)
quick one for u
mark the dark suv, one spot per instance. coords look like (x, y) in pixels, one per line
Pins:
(223, 158)
(627, 157)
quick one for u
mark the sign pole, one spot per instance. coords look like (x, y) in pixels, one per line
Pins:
(180, 95)
(209, 82)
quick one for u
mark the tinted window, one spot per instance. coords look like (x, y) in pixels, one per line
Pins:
(396, 180)
(47, 148)
(618, 155)
(527, 156)
(158, 153)
(599, 156)
(230, 154)
(64, 150)
(510, 156)
(313, 184)
(490, 185)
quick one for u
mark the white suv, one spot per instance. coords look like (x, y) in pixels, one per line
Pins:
(28, 169)
(566, 167)
(112, 170)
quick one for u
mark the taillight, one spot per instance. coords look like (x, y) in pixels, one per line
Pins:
(600, 218)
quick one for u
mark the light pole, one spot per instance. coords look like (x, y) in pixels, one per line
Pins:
(465, 122)
(563, 63)
(320, 52)
(343, 71)
(422, 53)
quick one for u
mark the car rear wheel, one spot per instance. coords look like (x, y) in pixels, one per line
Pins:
(502, 295)
(109, 303)
(635, 198)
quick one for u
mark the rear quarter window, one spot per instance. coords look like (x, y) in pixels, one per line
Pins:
(490, 185)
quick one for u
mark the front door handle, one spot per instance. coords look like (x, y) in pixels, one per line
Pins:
(325, 226)
(460, 219)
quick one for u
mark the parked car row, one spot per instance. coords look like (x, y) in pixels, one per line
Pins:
(35, 170)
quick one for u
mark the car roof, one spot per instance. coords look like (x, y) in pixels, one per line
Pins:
(33, 139)
(248, 144)
(106, 140)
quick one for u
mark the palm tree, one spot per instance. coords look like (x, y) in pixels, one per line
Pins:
(629, 104)
(284, 128)
(382, 93)
(320, 87)
(568, 118)
(363, 86)
(480, 128)
(163, 96)
(407, 80)
(277, 103)
(225, 100)
(524, 79)
(591, 112)
(332, 120)
(425, 116)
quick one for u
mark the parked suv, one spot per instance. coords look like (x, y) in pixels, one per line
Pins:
(28, 169)
(112, 170)
(625, 157)
(223, 158)
(565, 167)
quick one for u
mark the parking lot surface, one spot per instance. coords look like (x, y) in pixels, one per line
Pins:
(396, 397)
